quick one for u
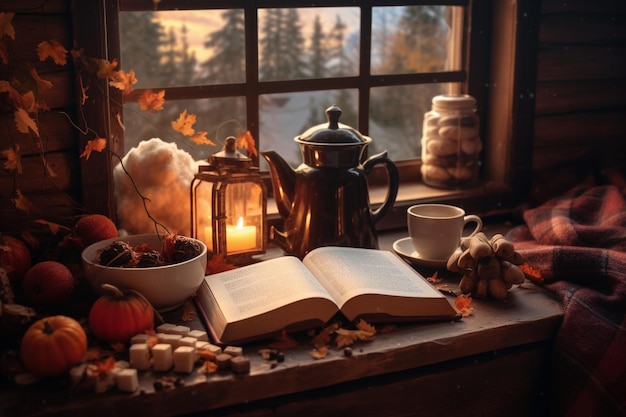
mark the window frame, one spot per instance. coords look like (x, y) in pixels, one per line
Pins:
(501, 76)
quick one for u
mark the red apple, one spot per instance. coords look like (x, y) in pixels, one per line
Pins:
(48, 283)
(15, 257)
(93, 228)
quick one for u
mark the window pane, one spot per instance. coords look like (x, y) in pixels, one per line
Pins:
(183, 48)
(285, 116)
(308, 43)
(396, 116)
(414, 39)
(214, 116)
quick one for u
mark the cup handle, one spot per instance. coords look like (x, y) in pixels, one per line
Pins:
(473, 218)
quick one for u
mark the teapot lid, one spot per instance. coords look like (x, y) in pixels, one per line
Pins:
(334, 132)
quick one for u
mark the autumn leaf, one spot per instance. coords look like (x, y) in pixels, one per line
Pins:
(530, 272)
(365, 326)
(434, 278)
(105, 69)
(22, 203)
(323, 337)
(97, 145)
(42, 85)
(319, 352)
(123, 81)
(4, 52)
(24, 122)
(216, 264)
(462, 303)
(54, 227)
(284, 341)
(201, 139)
(6, 27)
(54, 50)
(12, 162)
(151, 101)
(184, 123)
(29, 102)
(14, 95)
(348, 337)
(246, 141)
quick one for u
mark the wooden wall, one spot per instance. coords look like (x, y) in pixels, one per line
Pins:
(52, 194)
(580, 122)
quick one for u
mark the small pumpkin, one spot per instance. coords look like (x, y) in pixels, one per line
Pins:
(118, 315)
(15, 257)
(53, 345)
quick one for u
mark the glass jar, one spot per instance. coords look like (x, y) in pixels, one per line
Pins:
(451, 144)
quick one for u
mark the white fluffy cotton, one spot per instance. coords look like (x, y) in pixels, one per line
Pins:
(163, 173)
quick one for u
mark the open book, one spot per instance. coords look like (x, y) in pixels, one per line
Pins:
(262, 299)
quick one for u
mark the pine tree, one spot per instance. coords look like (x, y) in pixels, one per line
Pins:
(317, 50)
(142, 37)
(227, 62)
(282, 46)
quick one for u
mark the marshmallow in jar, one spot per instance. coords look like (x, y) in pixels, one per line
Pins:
(450, 142)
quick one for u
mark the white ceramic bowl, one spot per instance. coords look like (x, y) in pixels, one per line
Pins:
(166, 287)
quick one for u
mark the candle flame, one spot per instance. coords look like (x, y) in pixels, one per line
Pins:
(240, 223)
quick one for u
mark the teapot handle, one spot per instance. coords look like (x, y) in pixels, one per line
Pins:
(392, 191)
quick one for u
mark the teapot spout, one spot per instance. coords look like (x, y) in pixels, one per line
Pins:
(283, 179)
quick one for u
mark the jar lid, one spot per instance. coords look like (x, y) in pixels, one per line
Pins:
(454, 102)
(333, 132)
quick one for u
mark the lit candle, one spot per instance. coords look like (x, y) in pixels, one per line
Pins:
(240, 238)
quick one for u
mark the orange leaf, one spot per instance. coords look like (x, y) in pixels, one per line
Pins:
(247, 142)
(123, 80)
(463, 305)
(54, 227)
(348, 337)
(4, 52)
(284, 341)
(184, 123)
(216, 264)
(434, 278)
(201, 139)
(93, 145)
(42, 85)
(22, 203)
(6, 27)
(319, 352)
(323, 338)
(151, 101)
(24, 122)
(531, 272)
(366, 327)
(54, 50)
(29, 102)
(12, 160)
(106, 69)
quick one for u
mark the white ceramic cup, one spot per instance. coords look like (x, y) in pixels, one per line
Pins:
(436, 229)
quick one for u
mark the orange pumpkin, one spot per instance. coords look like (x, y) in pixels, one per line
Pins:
(119, 315)
(53, 345)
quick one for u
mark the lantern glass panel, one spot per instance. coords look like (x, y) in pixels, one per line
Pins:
(244, 217)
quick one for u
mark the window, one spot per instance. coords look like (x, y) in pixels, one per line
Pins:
(276, 69)
(370, 59)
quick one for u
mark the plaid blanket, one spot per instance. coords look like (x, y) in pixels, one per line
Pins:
(578, 243)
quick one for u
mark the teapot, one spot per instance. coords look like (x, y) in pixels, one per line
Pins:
(325, 200)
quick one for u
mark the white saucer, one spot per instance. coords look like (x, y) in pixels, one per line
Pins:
(404, 248)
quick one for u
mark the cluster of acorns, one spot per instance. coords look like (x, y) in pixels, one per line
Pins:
(175, 249)
(489, 266)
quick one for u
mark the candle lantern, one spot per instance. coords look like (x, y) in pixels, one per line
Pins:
(228, 205)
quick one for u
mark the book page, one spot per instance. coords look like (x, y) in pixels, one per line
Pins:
(258, 288)
(347, 272)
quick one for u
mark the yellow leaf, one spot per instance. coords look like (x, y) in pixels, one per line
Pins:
(151, 101)
(23, 122)
(54, 50)
(201, 139)
(6, 27)
(184, 123)
(323, 338)
(96, 145)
